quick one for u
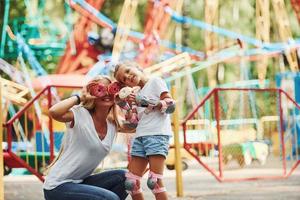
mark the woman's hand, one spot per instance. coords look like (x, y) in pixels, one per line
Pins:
(86, 96)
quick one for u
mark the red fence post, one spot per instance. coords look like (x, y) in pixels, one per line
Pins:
(217, 115)
(50, 127)
(282, 134)
(9, 136)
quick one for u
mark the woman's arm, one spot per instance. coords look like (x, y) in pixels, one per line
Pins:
(61, 111)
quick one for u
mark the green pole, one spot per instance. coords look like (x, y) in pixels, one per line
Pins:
(1, 151)
(5, 21)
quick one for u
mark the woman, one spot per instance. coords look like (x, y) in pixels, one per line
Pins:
(91, 122)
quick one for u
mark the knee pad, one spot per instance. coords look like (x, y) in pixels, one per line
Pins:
(131, 183)
(152, 182)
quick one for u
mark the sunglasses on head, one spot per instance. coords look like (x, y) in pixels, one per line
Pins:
(100, 90)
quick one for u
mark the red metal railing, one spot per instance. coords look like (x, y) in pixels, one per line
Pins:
(11, 158)
(214, 164)
(217, 113)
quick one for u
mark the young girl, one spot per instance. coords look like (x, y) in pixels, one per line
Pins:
(91, 129)
(153, 131)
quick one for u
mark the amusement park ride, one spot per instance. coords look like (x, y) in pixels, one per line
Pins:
(224, 113)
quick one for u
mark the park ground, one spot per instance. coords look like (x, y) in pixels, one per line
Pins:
(198, 184)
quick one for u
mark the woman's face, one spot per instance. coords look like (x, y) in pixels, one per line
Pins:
(128, 75)
(108, 99)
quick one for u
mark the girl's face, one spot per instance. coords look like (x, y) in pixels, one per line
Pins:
(106, 100)
(128, 75)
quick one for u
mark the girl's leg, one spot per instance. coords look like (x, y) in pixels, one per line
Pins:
(112, 180)
(137, 166)
(157, 166)
(76, 191)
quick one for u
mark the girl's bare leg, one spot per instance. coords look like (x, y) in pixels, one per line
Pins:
(137, 166)
(157, 166)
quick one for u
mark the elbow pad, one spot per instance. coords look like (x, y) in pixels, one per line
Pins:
(143, 101)
(167, 105)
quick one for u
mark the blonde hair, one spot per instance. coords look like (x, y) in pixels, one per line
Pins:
(124, 64)
(90, 105)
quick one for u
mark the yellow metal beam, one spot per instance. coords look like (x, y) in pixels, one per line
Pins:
(173, 26)
(178, 167)
(262, 32)
(211, 11)
(124, 24)
(14, 92)
(285, 33)
(173, 64)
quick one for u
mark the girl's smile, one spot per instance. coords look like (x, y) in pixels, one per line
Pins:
(130, 76)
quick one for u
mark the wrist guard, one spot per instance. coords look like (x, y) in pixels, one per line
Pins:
(167, 105)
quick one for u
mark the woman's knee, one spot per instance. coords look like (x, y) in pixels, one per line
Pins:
(122, 172)
(112, 196)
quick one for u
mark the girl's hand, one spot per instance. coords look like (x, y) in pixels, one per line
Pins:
(131, 97)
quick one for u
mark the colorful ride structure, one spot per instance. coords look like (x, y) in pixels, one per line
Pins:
(239, 120)
(242, 136)
(290, 82)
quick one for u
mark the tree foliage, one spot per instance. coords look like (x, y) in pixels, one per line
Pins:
(237, 16)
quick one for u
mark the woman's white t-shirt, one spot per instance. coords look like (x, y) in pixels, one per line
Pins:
(155, 122)
(82, 150)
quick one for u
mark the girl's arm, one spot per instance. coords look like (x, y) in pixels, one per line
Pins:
(162, 97)
(125, 129)
(167, 104)
(165, 95)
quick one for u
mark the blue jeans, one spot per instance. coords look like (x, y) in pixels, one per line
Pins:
(107, 185)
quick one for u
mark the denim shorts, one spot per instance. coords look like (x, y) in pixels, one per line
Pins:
(145, 146)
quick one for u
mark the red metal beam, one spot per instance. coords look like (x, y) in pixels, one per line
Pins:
(216, 103)
(25, 165)
(155, 29)
(70, 63)
(296, 7)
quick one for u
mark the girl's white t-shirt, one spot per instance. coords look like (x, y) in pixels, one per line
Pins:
(155, 122)
(82, 151)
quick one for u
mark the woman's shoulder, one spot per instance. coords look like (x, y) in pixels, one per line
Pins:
(112, 127)
(80, 110)
(112, 124)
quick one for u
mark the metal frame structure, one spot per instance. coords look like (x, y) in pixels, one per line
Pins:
(10, 157)
(220, 174)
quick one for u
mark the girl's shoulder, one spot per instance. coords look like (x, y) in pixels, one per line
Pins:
(156, 79)
(157, 82)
